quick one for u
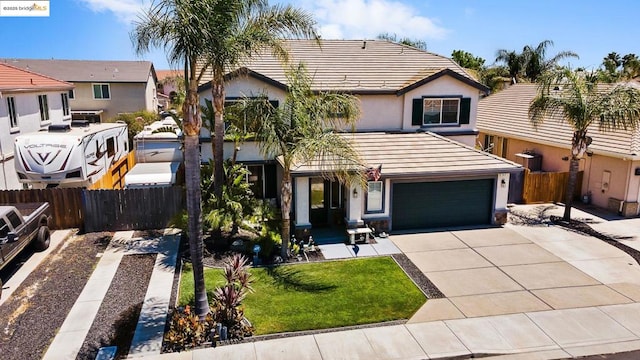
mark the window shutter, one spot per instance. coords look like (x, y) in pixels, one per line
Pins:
(416, 116)
(465, 110)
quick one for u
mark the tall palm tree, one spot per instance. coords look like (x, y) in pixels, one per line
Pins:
(240, 30)
(305, 128)
(536, 63)
(181, 28)
(513, 61)
(582, 103)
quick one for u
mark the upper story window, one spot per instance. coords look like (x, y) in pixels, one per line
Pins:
(430, 111)
(11, 109)
(440, 111)
(65, 104)
(44, 107)
(72, 94)
(101, 91)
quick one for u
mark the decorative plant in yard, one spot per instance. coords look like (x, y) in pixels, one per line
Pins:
(236, 202)
(227, 300)
(186, 331)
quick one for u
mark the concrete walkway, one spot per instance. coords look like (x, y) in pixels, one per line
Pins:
(341, 251)
(148, 336)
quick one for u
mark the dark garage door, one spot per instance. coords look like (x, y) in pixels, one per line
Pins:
(440, 204)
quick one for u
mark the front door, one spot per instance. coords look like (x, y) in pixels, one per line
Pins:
(326, 202)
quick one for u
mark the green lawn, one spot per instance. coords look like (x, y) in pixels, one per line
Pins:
(321, 295)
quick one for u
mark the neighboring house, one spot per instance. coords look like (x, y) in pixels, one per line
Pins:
(167, 86)
(611, 166)
(29, 102)
(418, 123)
(103, 89)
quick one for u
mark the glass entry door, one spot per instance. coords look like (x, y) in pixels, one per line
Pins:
(318, 211)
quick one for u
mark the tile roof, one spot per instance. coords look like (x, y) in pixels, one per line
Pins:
(356, 65)
(419, 155)
(87, 70)
(163, 74)
(506, 113)
(15, 79)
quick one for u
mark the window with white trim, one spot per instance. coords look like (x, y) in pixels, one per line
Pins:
(65, 104)
(11, 109)
(440, 111)
(101, 91)
(374, 196)
(44, 107)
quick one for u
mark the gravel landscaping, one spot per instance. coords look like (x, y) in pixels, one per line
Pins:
(30, 319)
(116, 320)
(418, 277)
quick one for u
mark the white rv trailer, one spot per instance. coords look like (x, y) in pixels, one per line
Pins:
(158, 155)
(69, 156)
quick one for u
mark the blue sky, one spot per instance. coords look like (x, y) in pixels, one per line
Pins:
(99, 29)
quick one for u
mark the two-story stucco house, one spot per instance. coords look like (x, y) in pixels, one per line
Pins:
(103, 89)
(417, 124)
(29, 102)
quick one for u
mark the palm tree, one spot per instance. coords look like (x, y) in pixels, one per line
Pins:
(179, 26)
(581, 103)
(513, 61)
(306, 128)
(536, 63)
(240, 30)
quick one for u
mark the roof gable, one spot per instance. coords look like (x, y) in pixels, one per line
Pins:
(15, 79)
(88, 70)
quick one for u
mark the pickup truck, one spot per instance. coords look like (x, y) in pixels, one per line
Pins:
(21, 225)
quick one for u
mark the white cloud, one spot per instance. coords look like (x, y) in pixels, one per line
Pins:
(357, 19)
(125, 10)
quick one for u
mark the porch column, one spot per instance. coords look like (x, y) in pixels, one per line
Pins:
(301, 201)
(354, 206)
(502, 196)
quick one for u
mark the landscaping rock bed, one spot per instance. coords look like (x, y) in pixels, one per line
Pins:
(30, 319)
(418, 277)
(116, 320)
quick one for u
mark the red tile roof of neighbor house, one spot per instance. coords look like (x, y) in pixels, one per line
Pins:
(19, 80)
(163, 74)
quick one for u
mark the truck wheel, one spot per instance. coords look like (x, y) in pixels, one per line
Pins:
(43, 239)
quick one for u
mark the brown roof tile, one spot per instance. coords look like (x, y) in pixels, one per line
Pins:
(15, 79)
(506, 113)
(356, 65)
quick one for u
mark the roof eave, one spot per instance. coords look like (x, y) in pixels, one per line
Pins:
(440, 74)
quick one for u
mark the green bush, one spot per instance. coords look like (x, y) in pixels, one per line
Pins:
(136, 121)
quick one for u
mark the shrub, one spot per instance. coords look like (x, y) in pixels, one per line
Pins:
(227, 300)
(186, 331)
(136, 121)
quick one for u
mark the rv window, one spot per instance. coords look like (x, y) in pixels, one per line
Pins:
(111, 147)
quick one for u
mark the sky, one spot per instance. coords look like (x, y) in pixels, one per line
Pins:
(99, 29)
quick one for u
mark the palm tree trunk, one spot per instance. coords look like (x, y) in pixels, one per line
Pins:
(286, 210)
(217, 94)
(192, 125)
(574, 166)
(192, 174)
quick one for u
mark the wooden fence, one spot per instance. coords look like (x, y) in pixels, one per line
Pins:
(149, 208)
(104, 210)
(547, 186)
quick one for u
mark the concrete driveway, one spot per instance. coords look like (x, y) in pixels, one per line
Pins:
(518, 269)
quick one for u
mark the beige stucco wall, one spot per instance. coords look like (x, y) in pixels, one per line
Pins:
(623, 184)
(125, 97)
(380, 112)
(151, 96)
